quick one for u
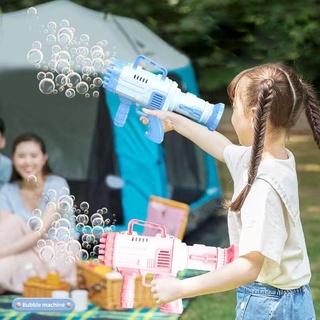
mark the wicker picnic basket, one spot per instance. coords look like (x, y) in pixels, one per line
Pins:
(104, 287)
(37, 287)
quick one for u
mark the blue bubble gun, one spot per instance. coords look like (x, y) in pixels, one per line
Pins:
(143, 88)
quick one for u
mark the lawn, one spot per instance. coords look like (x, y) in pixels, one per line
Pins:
(222, 306)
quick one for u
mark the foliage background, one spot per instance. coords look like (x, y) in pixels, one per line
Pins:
(222, 37)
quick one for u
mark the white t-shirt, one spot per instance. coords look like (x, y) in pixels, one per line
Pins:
(269, 221)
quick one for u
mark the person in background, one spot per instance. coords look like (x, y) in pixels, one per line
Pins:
(31, 184)
(5, 162)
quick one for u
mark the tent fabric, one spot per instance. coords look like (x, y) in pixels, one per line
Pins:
(83, 144)
(128, 37)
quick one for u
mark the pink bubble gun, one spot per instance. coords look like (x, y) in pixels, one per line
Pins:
(162, 255)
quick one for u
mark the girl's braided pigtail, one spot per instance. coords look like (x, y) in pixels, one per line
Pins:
(264, 103)
(312, 111)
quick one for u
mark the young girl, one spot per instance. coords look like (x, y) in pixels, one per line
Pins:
(272, 272)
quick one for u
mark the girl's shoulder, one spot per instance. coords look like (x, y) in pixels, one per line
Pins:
(53, 181)
(10, 186)
(235, 152)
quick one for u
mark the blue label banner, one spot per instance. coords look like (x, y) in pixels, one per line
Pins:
(43, 305)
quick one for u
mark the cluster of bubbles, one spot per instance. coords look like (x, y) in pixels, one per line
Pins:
(73, 65)
(59, 246)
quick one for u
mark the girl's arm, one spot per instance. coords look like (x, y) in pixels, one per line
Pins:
(239, 272)
(30, 239)
(211, 142)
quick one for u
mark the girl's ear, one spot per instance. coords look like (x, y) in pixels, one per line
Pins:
(252, 115)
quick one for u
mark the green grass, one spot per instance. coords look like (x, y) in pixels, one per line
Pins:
(222, 306)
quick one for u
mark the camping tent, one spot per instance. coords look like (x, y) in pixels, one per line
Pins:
(83, 144)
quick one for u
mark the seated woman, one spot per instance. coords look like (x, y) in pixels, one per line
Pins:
(31, 181)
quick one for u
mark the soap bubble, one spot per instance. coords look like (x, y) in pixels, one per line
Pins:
(84, 37)
(64, 38)
(64, 207)
(95, 48)
(41, 75)
(66, 70)
(97, 54)
(65, 200)
(52, 194)
(84, 255)
(64, 23)
(102, 43)
(61, 65)
(55, 49)
(74, 246)
(87, 95)
(41, 243)
(96, 250)
(61, 80)
(35, 223)
(87, 70)
(73, 52)
(64, 55)
(32, 179)
(34, 56)
(66, 31)
(87, 229)
(82, 87)
(65, 191)
(62, 234)
(97, 82)
(37, 213)
(70, 93)
(83, 51)
(46, 86)
(46, 254)
(52, 26)
(36, 45)
(49, 75)
(84, 205)
(32, 11)
(51, 39)
(60, 246)
(70, 260)
(79, 227)
(82, 218)
(98, 64)
(88, 238)
(87, 62)
(97, 222)
(52, 232)
(63, 223)
(73, 78)
(86, 245)
(95, 94)
(56, 216)
(97, 231)
(96, 216)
